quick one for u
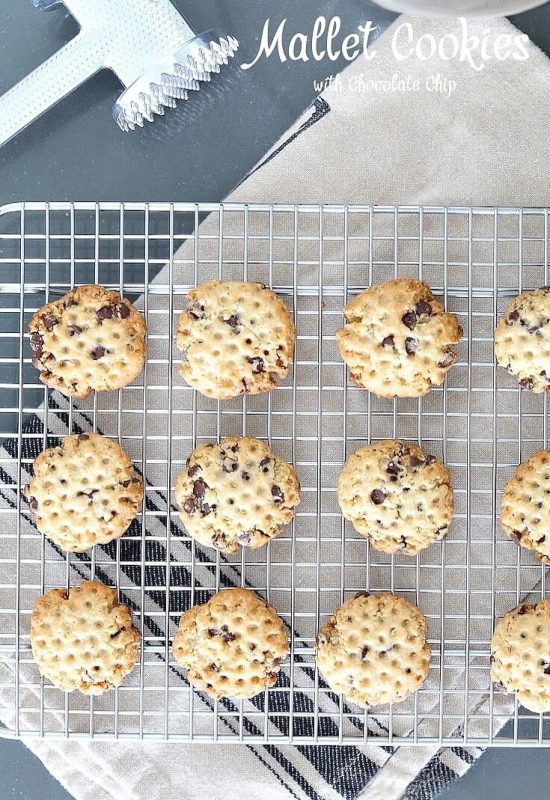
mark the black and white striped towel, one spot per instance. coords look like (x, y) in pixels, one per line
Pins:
(487, 145)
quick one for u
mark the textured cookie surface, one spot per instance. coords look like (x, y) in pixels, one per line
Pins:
(236, 338)
(525, 509)
(84, 492)
(89, 339)
(396, 496)
(373, 649)
(520, 654)
(237, 492)
(397, 339)
(232, 646)
(522, 339)
(84, 640)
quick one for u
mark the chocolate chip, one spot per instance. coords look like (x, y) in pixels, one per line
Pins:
(516, 536)
(75, 330)
(545, 667)
(122, 310)
(125, 484)
(225, 633)
(190, 505)
(542, 538)
(362, 594)
(526, 383)
(233, 321)
(195, 311)
(83, 437)
(277, 494)
(534, 329)
(213, 668)
(393, 469)
(263, 464)
(389, 341)
(377, 496)
(104, 313)
(33, 503)
(193, 470)
(37, 341)
(70, 301)
(245, 476)
(229, 466)
(258, 364)
(411, 346)
(430, 459)
(364, 651)
(206, 509)
(98, 352)
(521, 609)
(422, 307)
(416, 462)
(544, 289)
(199, 487)
(448, 360)
(513, 316)
(409, 319)
(50, 322)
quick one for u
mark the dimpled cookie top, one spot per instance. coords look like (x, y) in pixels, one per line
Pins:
(522, 339)
(373, 649)
(237, 338)
(90, 339)
(525, 509)
(237, 492)
(520, 654)
(397, 339)
(396, 496)
(232, 646)
(84, 492)
(85, 639)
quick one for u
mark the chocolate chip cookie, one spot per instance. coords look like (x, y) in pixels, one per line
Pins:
(522, 339)
(84, 492)
(85, 639)
(90, 339)
(396, 496)
(237, 492)
(232, 646)
(373, 649)
(525, 509)
(397, 339)
(237, 338)
(520, 654)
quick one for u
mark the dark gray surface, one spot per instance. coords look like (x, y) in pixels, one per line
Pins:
(199, 153)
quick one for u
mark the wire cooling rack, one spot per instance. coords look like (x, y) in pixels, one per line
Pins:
(479, 423)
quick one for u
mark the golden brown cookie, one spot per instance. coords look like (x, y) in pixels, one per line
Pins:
(90, 339)
(84, 492)
(525, 508)
(522, 339)
(396, 496)
(397, 339)
(520, 654)
(237, 338)
(373, 649)
(234, 493)
(232, 646)
(84, 640)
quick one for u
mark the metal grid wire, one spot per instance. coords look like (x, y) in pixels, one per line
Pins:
(479, 423)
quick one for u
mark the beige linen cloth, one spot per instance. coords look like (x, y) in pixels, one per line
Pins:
(486, 145)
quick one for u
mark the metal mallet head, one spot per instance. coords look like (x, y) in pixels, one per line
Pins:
(156, 55)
